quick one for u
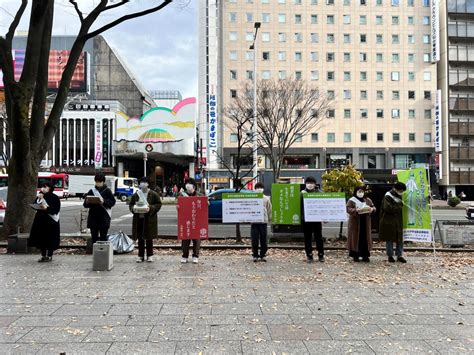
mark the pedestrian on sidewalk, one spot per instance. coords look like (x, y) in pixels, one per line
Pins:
(391, 222)
(311, 228)
(359, 229)
(44, 233)
(191, 190)
(100, 212)
(258, 231)
(144, 205)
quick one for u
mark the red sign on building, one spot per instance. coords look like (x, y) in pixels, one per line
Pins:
(193, 218)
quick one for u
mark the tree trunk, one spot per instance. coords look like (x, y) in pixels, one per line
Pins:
(238, 234)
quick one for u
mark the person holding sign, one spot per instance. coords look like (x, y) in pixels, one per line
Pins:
(258, 231)
(190, 186)
(312, 228)
(99, 200)
(359, 235)
(44, 233)
(144, 205)
(391, 221)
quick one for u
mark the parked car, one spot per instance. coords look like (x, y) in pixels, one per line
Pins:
(3, 202)
(215, 203)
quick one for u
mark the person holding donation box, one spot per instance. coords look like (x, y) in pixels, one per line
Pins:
(359, 235)
(258, 231)
(44, 233)
(99, 200)
(144, 205)
(190, 186)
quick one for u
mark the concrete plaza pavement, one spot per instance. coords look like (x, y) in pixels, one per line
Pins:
(227, 304)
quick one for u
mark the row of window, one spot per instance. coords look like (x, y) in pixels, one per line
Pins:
(347, 56)
(347, 137)
(395, 3)
(330, 37)
(379, 113)
(462, 6)
(330, 75)
(330, 19)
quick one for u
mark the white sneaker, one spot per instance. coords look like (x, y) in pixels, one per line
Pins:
(140, 260)
(149, 259)
(184, 260)
(195, 260)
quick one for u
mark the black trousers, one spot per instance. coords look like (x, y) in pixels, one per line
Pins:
(258, 232)
(142, 244)
(95, 232)
(310, 229)
(196, 246)
(47, 252)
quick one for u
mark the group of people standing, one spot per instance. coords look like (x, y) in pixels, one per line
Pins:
(146, 203)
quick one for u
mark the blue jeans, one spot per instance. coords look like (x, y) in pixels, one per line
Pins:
(398, 249)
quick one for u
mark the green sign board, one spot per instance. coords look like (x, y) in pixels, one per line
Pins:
(240, 195)
(286, 204)
(324, 195)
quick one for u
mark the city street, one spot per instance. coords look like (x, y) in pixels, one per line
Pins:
(167, 220)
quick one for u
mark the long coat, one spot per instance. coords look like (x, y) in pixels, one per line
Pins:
(353, 226)
(391, 218)
(44, 232)
(151, 219)
(98, 217)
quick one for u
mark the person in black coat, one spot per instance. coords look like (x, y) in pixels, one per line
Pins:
(44, 233)
(100, 213)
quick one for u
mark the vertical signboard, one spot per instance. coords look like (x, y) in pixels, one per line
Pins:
(212, 121)
(286, 204)
(105, 142)
(435, 45)
(193, 218)
(438, 123)
(98, 144)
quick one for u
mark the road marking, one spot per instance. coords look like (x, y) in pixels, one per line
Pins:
(121, 218)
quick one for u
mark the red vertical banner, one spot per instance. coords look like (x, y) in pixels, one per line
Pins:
(193, 218)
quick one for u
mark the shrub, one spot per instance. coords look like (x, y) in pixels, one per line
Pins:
(454, 201)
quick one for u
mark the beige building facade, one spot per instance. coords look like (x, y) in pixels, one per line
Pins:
(373, 57)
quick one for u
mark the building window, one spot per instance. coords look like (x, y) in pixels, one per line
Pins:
(298, 19)
(362, 20)
(395, 20)
(249, 74)
(347, 113)
(363, 137)
(346, 19)
(298, 56)
(411, 76)
(298, 37)
(363, 2)
(265, 74)
(363, 56)
(330, 57)
(363, 38)
(314, 19)
(411, 114)
(233, 36)
(364, 113)
(331, 137)
(314, 137)
(347, 94)
(298, 75)
(330, 114)
(265, 18)
(282, 74)
(347, 38)
(233, 93)
(347, 57)
(378, 2)
(330, 94)
(233, 55)
(378, 39)
(395, 113)
(379, 57)
(265, 37)
(378, 20)
(379, 137)
(249, 36)
(427, 95)
(379, 113)
(427, 137)
(396, 137)
(395, 57)
(395, 75)
(363, 94)
(395, 39)
(395, 95)
(427, 57)
(249, 55)
(330, 38)
(281, 56)
(363, 75)
(314, 75)
(379, 76)
(330, 19)
(426, 3)
(249, 17)
(410, 3)
(426, 20)
(314, 56)
(427, 114)
(347, 76)
(411, 137)
(395, 2)
(233, 75)
(266, 55)
(426, 76)
(426, 39)
(411, 57)
(282, 37)
(347, 137)
(411, 95)
(330, 75)
(411, 39)
(379, 94)
(232, 17)
(298, 138)
(233, 138)
(314, 38)
(281, 18)
(410, 20)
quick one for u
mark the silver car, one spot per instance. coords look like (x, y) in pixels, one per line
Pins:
(3, 202)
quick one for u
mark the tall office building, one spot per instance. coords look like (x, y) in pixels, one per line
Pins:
(372, 57)
(455, 126)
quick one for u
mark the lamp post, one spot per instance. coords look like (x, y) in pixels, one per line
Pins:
(254, 133)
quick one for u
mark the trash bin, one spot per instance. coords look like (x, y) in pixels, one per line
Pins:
(102, 256)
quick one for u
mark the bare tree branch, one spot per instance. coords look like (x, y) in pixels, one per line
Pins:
(128, 17)
(110, 7)
(16, 21)
(78, 11)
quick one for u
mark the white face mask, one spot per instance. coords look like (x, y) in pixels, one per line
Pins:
(99, 183)
(45, 190)
(259, 190)
(143, 186)
(360, 194)
(310, 186)
(189, 188)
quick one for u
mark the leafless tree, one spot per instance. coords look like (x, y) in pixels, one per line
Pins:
(4, 141)
(25, 99)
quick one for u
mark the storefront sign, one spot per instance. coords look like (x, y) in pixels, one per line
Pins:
(435, 31)
(286, 204)
(98, 144)
(212, 121)
(242, 208)
(437, 123)
(324, 207)
(193, 218)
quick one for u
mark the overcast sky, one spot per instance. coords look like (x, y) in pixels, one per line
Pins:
(160, 48)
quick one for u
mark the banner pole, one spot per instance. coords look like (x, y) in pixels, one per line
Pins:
(431, 214)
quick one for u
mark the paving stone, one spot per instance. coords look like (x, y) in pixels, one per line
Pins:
(116, 299)
(83, 310)
(365, 319)
(460, 331)
(435, 319)
(275, 347)
(449, 346)
(297, 332)
(338, 347)
(20, 349)
(96, 321)
(162, 347)
(118, 333)
(55, 335)
(28, 309)
(400, 347)
(43, 321)
(334, 308)
(285, 308)
(236, 308)
(135, 309)
(185, 309)
(355, 332)
(213, 319)
(208, 347)
(146, 291)
(166, 299)
(180, 332)
(240, 332)
(411, 332)
(265, 319)
(155, 320)
(75, 348)
(13, 333)
(5, 321)
(317, 319)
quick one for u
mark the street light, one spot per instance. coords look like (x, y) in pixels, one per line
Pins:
(254, 136)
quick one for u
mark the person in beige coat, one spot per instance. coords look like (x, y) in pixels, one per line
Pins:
(258, 231)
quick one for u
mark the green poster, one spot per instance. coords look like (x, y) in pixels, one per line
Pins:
(416, 209)
(286, 204)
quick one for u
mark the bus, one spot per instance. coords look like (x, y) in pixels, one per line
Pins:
(60, 182)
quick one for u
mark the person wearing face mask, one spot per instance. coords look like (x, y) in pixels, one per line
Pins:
(145, 204)
(258, 231)
(44, 233)
(312, 228)
(391, 222)
(359, 236)
(100, 214)
(190, 190)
